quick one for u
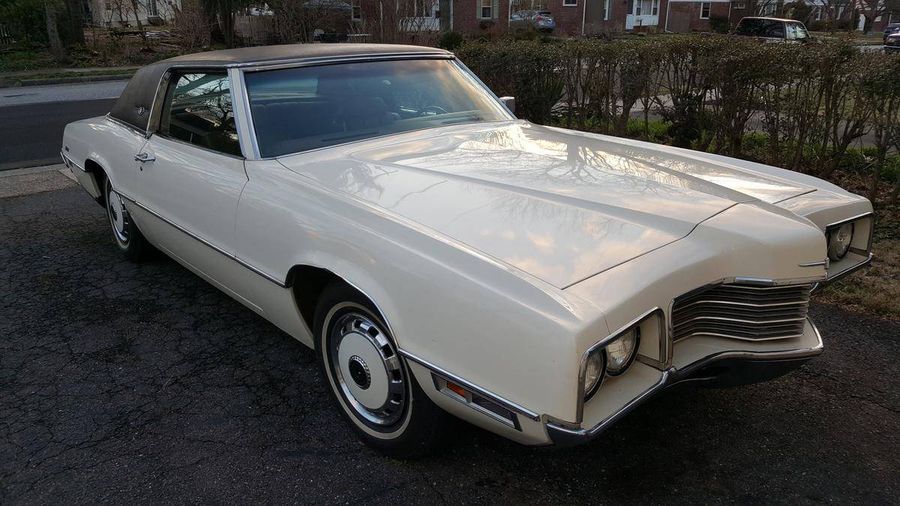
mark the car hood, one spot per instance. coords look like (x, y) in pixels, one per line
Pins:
(557, 204)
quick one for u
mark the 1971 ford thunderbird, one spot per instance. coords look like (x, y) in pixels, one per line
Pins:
(379, 204)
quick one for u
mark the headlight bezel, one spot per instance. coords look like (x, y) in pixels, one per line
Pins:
(589, 391)
(600, 346)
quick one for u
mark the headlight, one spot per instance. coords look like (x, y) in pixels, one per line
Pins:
(839, 239)
(593, 373)
(622, 350)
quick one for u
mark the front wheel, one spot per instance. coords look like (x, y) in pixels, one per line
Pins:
(126, 234)
(371, 382)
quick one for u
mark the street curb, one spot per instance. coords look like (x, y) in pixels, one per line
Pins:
(67, 80)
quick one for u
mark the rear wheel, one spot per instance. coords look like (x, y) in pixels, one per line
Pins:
(126, 234)
(371, 382)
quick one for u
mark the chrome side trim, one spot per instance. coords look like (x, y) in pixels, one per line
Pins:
(68, 162)
(329, 60)
(816, 264)
(212, 246)
(561, 434)
(510, 405)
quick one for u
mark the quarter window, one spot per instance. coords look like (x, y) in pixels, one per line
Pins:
(198, 111)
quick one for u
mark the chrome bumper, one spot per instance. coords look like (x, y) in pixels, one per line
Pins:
(722, 369)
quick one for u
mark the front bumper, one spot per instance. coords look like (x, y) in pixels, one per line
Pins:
(723, 369)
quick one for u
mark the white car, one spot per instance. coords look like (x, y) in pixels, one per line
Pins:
(379, 204)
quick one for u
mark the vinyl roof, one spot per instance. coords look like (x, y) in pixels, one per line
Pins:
(133, 106)
(269, 54)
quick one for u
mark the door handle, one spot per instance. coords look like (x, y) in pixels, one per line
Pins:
(144, 157)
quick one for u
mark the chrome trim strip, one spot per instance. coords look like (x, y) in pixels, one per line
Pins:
(129, 126)
(673, 376)
(329, 60)
(745, 304)
(847, 220)
(815, 264)
(68, 162)
(447, 375)
(246, 130)
(579, 410)
(205, 242)
(849, 270)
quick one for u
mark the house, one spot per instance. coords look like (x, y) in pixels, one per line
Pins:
(125, 13)
(597, 17)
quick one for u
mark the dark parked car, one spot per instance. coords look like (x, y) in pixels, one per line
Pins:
(891, 29)
(773, 29)
(541, 21)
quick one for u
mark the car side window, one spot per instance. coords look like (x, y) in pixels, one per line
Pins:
(198, 110)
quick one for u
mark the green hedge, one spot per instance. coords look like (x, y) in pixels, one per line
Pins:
(809, 103)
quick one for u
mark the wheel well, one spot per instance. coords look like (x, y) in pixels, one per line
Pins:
(99, 176)
(308, 283)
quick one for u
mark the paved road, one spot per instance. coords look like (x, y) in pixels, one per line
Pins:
(124, 383)
(32, 118)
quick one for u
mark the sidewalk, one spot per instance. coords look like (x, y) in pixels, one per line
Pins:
(65, 75)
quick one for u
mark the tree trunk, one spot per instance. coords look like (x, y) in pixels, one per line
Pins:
(136, 6)
(52, 31)
(76, 22)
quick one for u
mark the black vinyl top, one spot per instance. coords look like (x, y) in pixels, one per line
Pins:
(133, 106)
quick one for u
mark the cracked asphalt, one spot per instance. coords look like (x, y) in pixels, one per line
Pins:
(143, 384)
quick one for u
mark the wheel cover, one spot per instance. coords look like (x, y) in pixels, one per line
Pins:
(118, 216)
(367, 370)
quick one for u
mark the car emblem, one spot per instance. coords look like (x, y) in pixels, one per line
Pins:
(141, 110)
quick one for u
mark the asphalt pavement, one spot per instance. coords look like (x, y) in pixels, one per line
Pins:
(140, 383)
(32, 118)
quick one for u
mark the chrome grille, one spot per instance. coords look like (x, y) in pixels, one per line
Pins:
(737, 311)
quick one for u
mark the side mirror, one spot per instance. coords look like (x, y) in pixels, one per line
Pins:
(510, 103)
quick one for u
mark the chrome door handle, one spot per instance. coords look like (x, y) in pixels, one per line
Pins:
(144, 157)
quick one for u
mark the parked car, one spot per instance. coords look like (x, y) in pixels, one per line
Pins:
(541, 21)
(892, 41)
(382, 206)
(889, 29)
(773, 29)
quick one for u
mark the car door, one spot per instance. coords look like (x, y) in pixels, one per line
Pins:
(191, 169)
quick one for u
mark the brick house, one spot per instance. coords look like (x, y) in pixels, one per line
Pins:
(583, 17)
(591, 17)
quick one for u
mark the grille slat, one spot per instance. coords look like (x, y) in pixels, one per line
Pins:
(742, 312)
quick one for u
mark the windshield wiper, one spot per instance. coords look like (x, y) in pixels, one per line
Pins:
(354, 136)
(472, 117)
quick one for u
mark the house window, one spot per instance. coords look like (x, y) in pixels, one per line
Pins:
(486, 9)
(654, 8)
(818, 14)
(704, 10)
(740, 5)
(605, 10)
(152, 8)
(570, 3)
(356, 10)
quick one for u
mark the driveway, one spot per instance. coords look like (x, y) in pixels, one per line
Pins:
(141, 383)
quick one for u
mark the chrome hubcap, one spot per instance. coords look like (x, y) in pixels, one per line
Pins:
(118, 216)
(367, 370)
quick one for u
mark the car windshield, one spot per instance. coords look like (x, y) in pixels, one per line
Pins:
(303, 108)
